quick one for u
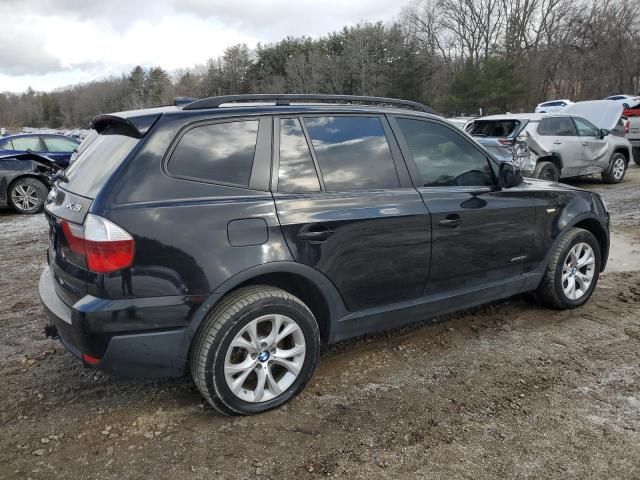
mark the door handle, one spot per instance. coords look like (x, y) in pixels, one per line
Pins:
(451, 221)
(557, 142)
(319, 234)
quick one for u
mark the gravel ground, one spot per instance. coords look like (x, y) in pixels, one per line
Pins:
(507, 390)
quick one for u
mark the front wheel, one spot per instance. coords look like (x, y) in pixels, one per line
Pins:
(617, 169)
(573, 271)
(257, 350)
(27, 195)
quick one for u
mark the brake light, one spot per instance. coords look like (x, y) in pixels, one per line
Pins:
(105, 246)
(626, 126)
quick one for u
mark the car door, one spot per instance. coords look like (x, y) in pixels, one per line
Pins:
(481, 235)
(595, 149)
(558, 134)
(347, 207)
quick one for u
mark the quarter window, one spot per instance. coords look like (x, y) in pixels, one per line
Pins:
(444, 157)
(557, 126)
(352, 152)
(222, 152)
(296, 171)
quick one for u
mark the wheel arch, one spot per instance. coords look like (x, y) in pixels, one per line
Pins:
(594, 226)
(625, 152)
(308, 284)
(554, 158)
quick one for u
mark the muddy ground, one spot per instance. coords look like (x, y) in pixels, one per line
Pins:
(509, 390)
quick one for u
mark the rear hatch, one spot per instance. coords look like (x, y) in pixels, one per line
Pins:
(497, 136)
(69, 203)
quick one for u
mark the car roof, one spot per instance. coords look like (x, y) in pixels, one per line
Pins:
(19, 135)
(558, 100)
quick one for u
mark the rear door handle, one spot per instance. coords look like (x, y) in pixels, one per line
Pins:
(557, 142)
(319, 234)
(451, 221)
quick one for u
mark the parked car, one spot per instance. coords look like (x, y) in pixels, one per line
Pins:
(624, 100)
(230, 239)
(552, 106)
(25, 179)
(559, 145)
(632, 110)
(461, 122)
(633, 123)
(56, 147)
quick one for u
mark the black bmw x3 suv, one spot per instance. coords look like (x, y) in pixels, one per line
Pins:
(230, 236)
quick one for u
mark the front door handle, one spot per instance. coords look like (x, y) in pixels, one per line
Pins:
(557, 142)
(315, 234)
(451, 221)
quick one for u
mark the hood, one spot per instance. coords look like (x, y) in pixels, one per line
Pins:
(602, 113)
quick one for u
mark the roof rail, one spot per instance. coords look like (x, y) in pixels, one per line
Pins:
(177, 101)
(286, 98)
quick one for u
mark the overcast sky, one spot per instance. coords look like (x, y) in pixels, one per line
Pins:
(47, 44)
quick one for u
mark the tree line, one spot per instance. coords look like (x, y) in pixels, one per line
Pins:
(458, 56)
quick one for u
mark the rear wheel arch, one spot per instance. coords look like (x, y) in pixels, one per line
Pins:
(554, 158)
(304, 282)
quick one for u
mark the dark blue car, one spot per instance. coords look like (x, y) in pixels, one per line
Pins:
(57, 147)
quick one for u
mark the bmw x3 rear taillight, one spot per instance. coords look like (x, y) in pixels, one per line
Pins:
(105, 246)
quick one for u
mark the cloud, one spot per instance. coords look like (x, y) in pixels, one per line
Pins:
(44, 43)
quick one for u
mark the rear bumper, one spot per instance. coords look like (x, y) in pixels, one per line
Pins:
(91, 326)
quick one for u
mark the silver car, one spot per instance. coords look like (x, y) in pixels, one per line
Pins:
(573, 143)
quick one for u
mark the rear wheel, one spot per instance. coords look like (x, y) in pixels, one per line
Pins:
(546, 171)
(27, 195)
(257, 350)
(573, 271)
(617, 169)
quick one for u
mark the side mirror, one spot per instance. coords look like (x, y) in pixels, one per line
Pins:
(603, 132)
(509, 175)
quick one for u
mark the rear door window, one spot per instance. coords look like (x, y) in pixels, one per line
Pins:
(296, 172)
(352, 152)
(557, 127)
(27, 143)
(218, 153)
(494, 128)
(443, 156)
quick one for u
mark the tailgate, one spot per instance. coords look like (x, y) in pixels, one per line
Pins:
(67, 268)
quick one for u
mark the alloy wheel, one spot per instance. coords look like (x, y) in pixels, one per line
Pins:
(25, 197)
(264, 358)
(618, 168)
(578, 271)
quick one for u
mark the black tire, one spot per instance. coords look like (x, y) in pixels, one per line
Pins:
(636, 155)
(546, 171)
(16, 195)
(617, 169)
(551, 291)
(219, 329)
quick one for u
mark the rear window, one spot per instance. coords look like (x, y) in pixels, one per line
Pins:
(218, 153)
(100, 159)
(494, 128)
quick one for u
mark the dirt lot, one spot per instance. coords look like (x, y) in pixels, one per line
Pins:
(508, 390)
